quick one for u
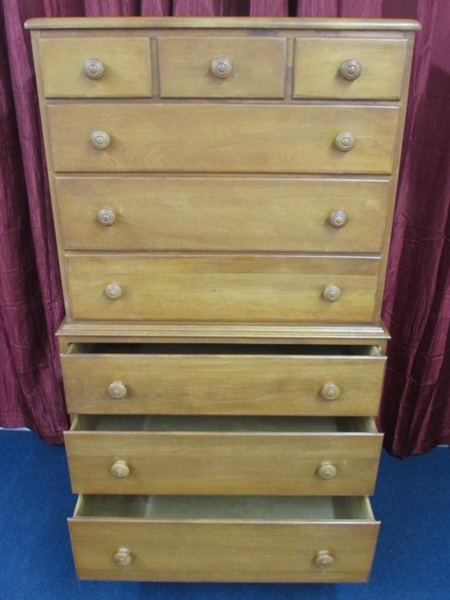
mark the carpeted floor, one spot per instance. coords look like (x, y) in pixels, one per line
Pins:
(412, 561)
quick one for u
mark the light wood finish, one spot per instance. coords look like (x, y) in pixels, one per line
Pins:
(224, 138)
(222, 288)
(317, 63)
(239, 539)
(161, 333)
(262, 23)
(126, 63)
(231, 456)
(222, 213)
(219, 381)
(226, 185)
(256, 67)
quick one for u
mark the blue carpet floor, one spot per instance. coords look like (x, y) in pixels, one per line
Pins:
(412, 560)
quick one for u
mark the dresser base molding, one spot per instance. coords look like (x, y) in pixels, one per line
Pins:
(220, 539)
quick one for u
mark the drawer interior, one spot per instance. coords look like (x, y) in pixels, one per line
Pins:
(227, 349)
(223, 424)
(242, 508)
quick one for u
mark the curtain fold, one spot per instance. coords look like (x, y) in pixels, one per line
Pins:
(415, 408)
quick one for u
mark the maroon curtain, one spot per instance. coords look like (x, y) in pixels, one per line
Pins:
(415, 409)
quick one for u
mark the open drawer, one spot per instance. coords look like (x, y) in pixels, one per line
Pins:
(240, 539)
(314, 380)
(223, 455)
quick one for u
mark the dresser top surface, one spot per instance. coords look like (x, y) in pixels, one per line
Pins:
(221, 23)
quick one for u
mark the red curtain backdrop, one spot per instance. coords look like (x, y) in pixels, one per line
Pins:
(415, 408)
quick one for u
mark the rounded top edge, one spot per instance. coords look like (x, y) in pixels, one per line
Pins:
(221, 23)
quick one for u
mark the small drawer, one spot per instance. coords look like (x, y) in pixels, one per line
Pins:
(96, 67)
(158, 379)
(222, 138)
(222, 288)
(349, 68)
(187, 455)
(222, 213)
(242, 539)
(222, 67)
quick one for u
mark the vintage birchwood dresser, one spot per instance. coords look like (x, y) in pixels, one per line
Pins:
(223, 192)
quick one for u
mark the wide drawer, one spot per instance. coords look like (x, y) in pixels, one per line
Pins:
(354, 68)
(222, 288)
(218, 138)
(163, 538)
(223, 380)
(222, 67)
(222, 213)
(96, 67)
(223, 455)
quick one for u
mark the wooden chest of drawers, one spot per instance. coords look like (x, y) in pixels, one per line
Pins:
(223, 193)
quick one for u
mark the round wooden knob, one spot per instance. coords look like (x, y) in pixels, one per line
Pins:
(93, 69)
(117, 390)
(122, 557)
(106, 217)
(338, 219)
(330, 391)
(323, 559)
(331, 293)
(100, 140)
(351, 69)
(113, 291)
(120, 469)
(327, 471)
(344, 141)
(221, 67)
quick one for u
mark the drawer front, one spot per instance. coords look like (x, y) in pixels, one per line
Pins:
(222, 67)
(248, 549)
(221, 213)
(222, 288)
(233, 456)
(330, 67)
(222, 384)
(222, 138)
(125, 69)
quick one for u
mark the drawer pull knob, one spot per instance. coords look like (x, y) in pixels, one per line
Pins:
(330, 391)
(100, 140)
(221, 67)
(351, 70)
(331, 293)
(117, 390)
(120, 469)
(122, 557)
(107, 217)
(113, 291)
(327, 471)
(323, 559)
(338, 219)
(93, 69)
(344, 141)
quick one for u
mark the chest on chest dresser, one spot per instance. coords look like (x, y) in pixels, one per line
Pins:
(223, 194)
